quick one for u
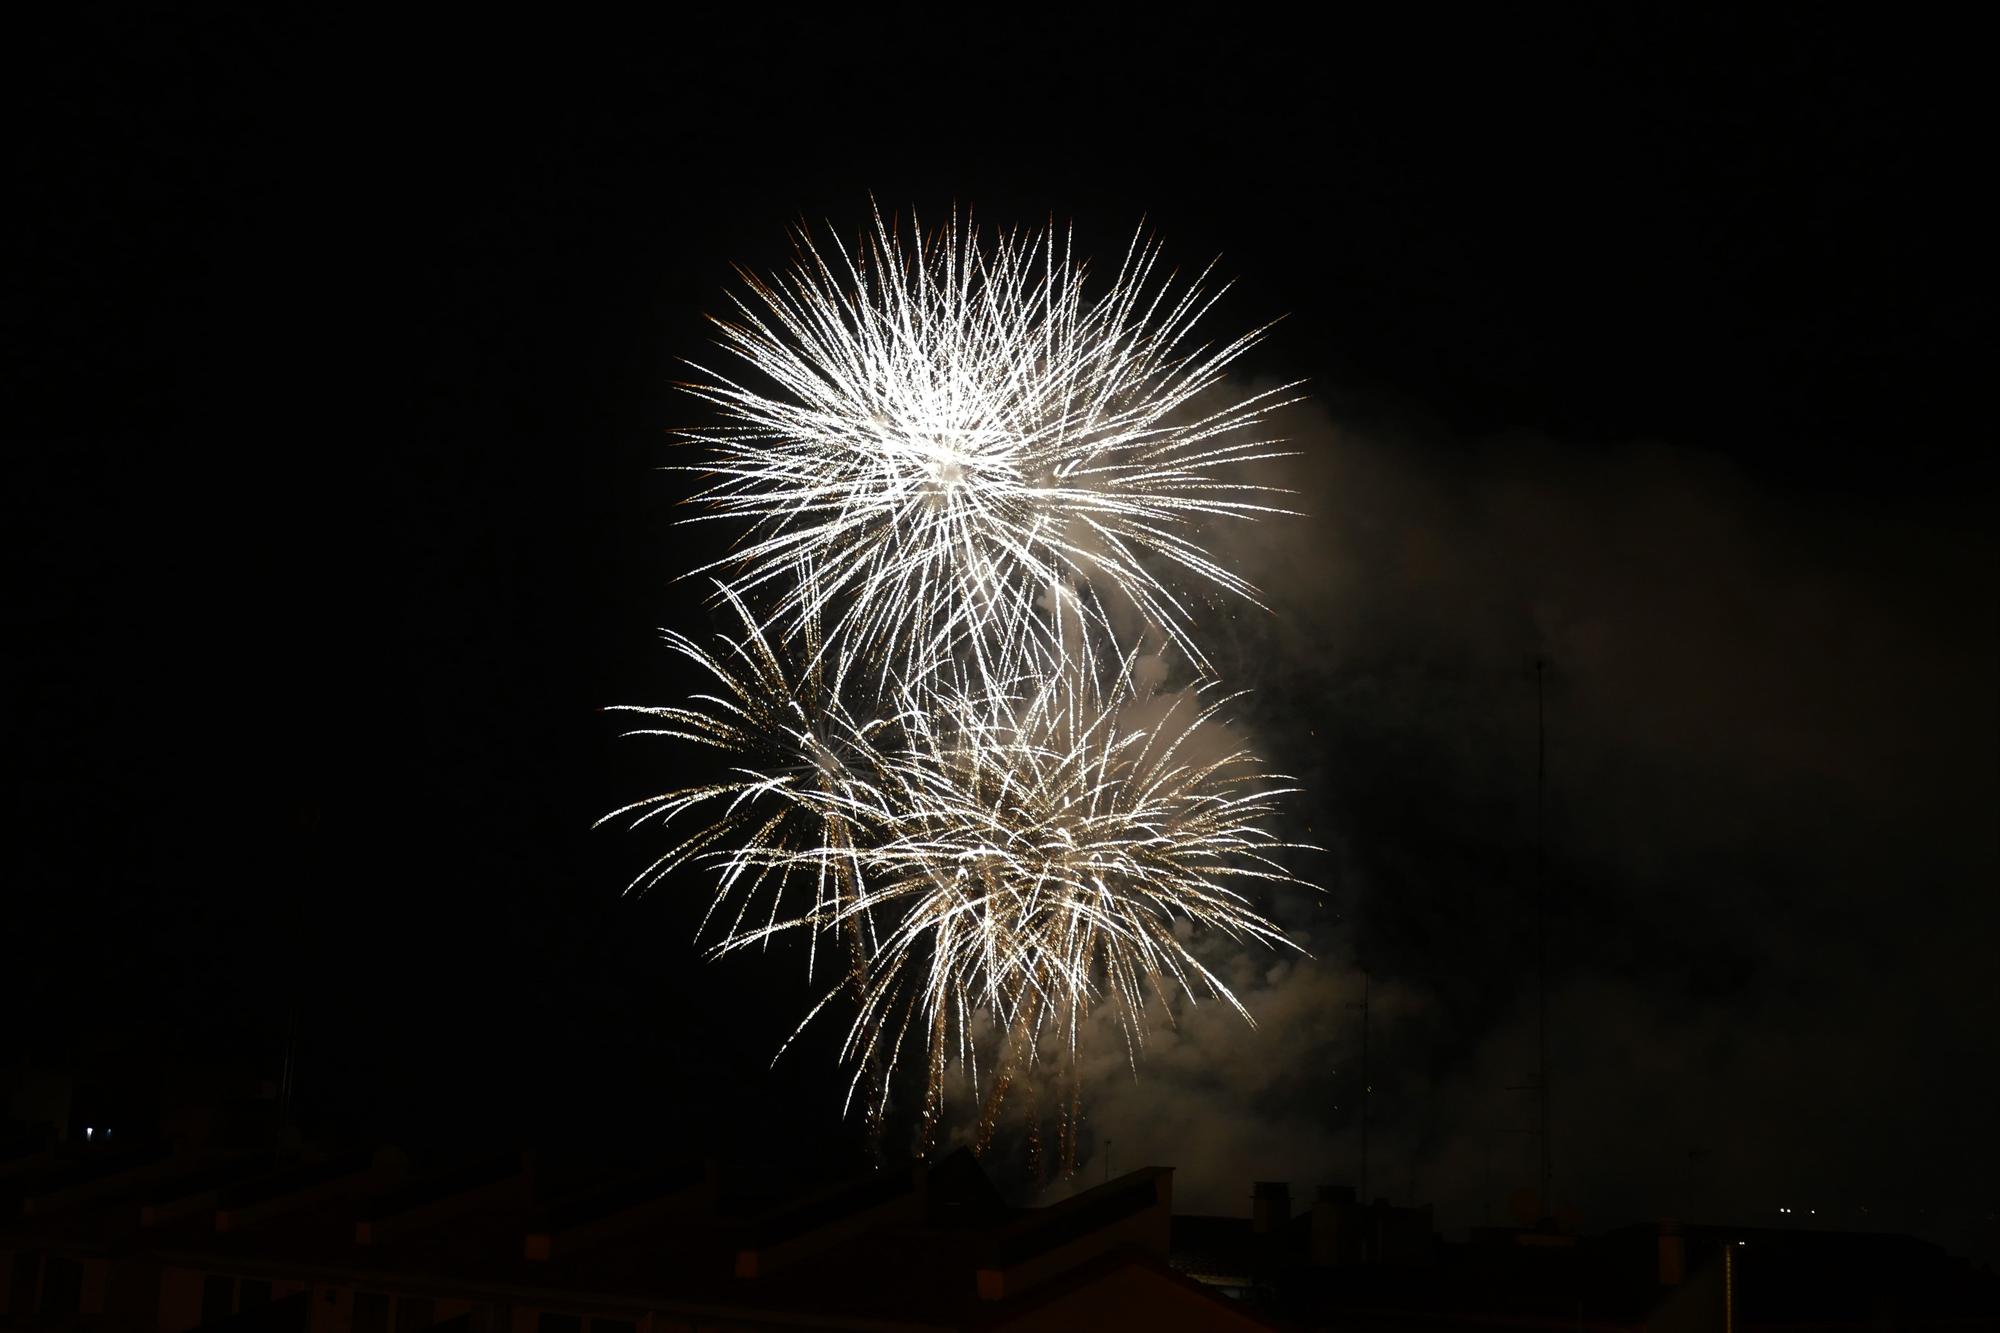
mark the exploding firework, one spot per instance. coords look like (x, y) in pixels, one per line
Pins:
(801, 784)
(966, 485)
(946, 449)
(1038, 855)
(1047, 854)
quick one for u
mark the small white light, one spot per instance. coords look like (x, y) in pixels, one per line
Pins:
(88, 1132)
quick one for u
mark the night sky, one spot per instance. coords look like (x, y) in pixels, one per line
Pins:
(338, 381)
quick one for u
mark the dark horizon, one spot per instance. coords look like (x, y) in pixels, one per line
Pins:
(341, 377)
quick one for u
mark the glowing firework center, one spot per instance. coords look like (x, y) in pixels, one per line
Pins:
(971, 494)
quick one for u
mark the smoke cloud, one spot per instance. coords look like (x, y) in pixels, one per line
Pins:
(1771, 777)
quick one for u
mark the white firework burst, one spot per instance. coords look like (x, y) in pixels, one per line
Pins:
(1046, 852)
(970, 491)
(794, 800)
(947, 449)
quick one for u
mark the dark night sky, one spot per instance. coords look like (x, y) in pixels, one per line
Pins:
(339, 362)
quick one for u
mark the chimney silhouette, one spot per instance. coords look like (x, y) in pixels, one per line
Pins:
(1270, 1206)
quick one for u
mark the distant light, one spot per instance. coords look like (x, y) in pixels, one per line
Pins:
(88, 1131)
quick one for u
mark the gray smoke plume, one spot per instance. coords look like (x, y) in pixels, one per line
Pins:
(1771, 789)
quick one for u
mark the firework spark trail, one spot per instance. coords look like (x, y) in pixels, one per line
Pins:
(937, 751)
(955, 436)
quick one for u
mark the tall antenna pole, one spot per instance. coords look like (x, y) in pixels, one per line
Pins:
(1542, 938)
(291, 1058)
(1367, 1088)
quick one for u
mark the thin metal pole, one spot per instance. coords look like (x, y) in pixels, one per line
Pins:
(1542, 937)
(1367, 1088)
(291, 1058)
